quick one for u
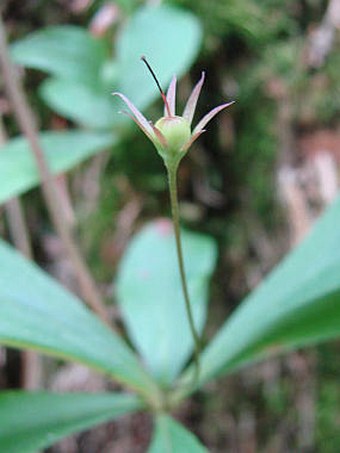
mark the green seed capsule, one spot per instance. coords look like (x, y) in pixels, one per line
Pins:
(176, 131)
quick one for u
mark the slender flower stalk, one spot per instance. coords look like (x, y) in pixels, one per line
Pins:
(172, 137)
(172, 180)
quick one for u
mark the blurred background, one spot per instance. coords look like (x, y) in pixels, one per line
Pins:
(255, 181)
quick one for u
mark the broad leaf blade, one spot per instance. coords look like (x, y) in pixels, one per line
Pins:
(95, 107)
(31, 421)
(83, 75)
(298, 304)
(151, 298)
(172, 437)
(91, 107)
(63, 151)
(160, 34)
(66, 51)
(37, 313)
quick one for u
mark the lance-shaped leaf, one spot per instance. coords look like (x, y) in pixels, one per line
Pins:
(63, 151)
(151, 299)
(297, 305)
(171, 437)
(37, 313)
(31, 421)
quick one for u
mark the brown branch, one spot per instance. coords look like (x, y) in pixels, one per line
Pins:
(15, 216)
(26, 122)
(31, 362)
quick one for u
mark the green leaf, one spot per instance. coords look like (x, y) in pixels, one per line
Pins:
(31, 421)
(171, 437)
(168, 36)
(67, 51)
(95, 107)
(90, 107)
(151, 299)
(37, 313)
(63, 150)
(83, 75)
(297, 305)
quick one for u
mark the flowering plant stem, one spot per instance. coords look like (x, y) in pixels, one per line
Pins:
(172, 136)
(172, 180)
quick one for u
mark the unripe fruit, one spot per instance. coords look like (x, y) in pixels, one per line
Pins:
(176, 131)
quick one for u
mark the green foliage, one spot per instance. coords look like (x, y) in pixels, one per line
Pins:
(327, 434)
(276, 317)
(91, 76)
(224, 18)
(62, 150)
(37, 313)
(67, 52)
(93, 108)
(171, 437)
(322, 93)
(150, 295)
(297, 305)
(177, 34)
(41, 419)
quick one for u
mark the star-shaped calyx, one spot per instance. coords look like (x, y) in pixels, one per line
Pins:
(171, 134)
